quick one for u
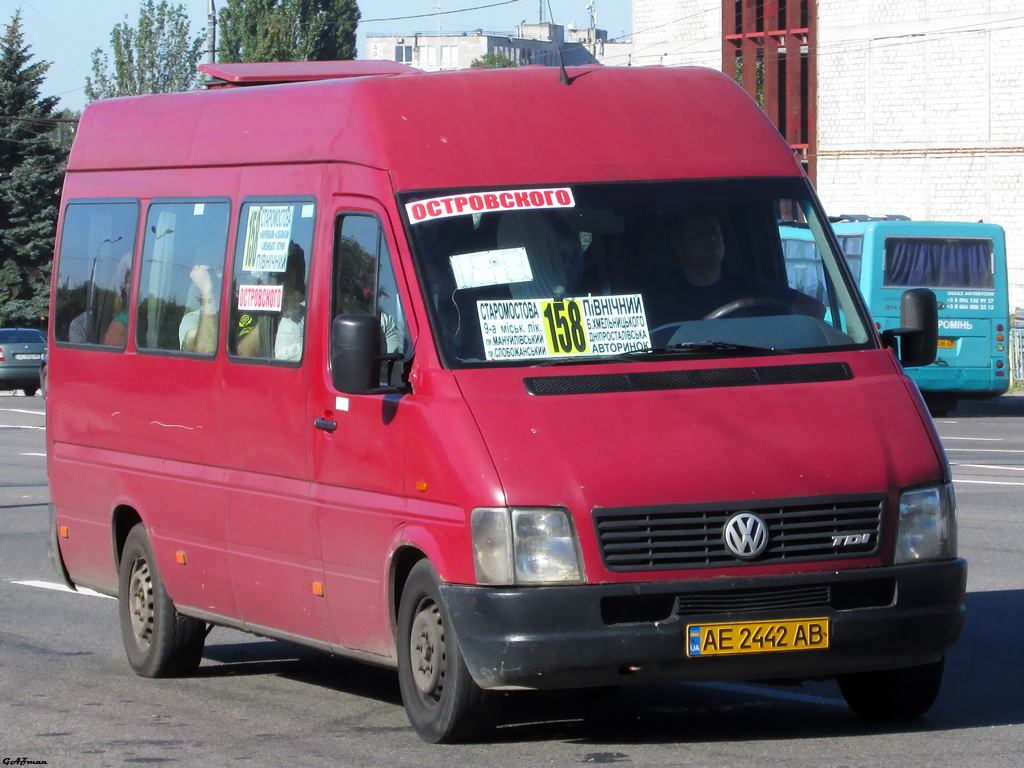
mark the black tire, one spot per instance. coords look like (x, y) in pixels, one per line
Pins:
(159, 641)
(442, 701)
(30, 391)
(893, 694)
(940, 406)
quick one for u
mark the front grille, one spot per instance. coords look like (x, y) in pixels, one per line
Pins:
(681, 536)
(708, 599)
(779, 598)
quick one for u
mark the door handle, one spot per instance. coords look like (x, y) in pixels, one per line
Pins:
(327, 425)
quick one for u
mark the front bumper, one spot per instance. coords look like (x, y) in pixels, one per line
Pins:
(577, 636)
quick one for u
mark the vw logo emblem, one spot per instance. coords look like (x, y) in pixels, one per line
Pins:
(745, 535)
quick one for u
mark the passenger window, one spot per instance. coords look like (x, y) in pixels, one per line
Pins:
(270, 280)
(94, 273)
(182, 276)
(364, 281)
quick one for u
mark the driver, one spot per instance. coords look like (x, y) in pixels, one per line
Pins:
(702, 287)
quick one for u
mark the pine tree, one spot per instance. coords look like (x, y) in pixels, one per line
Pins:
(157, 56)
(31, 169)
(287, 30)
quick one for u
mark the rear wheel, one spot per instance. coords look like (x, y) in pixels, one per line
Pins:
(30, 391)
(159, 641)
(893, 694)
(442, 701)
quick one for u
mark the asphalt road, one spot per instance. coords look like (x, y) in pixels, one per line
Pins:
(68, 697)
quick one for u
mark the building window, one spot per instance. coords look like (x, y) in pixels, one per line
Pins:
(403, 54)
(449, 56)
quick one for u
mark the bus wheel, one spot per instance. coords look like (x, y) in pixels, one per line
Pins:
(159, 641)
(893, 694)
(940, 405)
(442, 701)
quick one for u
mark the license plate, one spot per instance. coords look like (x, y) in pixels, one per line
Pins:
(947, 343)
(28, 357)
(756, 637)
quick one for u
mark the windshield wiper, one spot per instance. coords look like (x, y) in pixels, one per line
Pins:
(713, 346)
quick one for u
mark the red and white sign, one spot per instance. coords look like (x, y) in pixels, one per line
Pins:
(479, 202)
(260, 298)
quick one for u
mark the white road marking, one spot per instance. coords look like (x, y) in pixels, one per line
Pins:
(22, 410)
(986, 439)
(984, 482)
(18, 426)
(34, 454)
(61, 588)
(986, 450)
(988, 466)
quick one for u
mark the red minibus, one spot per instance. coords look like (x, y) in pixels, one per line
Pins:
(492, 379)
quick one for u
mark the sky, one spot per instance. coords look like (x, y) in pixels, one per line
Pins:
(65, 32)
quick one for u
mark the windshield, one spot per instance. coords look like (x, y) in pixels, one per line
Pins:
(584, 272)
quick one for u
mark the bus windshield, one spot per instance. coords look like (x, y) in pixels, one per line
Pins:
(579, 273)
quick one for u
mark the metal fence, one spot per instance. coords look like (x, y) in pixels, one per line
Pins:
(1017, 354)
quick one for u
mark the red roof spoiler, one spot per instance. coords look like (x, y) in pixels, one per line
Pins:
(274, 72)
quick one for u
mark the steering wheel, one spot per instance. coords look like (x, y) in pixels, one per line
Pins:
(753, 301)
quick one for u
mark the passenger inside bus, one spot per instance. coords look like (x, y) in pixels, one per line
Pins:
(197, 331)
(256, 334)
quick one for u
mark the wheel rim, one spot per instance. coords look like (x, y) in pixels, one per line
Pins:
(140, 602)
(427, 651)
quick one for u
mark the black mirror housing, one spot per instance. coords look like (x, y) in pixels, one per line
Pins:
(356, 356)
(919, 328)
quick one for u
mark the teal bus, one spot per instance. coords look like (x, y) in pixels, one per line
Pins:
(963, 263)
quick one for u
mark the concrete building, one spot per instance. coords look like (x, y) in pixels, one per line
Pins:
(530, 44)
(913, 107)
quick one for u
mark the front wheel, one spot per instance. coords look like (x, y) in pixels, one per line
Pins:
(893, 694)
(159, 641)
(442, 701)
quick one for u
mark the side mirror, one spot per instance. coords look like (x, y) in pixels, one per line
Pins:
(356, 356)
(919, 328)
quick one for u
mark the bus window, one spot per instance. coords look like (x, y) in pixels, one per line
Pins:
(271, 269)
(364, 280)
(182, 273)
(94, 273)
(936, 262)
(852, 246)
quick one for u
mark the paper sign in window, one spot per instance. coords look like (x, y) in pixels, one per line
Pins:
(260, 298)
(268, 233)
(497, 267)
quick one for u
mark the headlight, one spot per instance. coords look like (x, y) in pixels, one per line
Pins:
(525, 546)
(927, 524)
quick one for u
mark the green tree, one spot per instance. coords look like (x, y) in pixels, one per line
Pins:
(157, 56)
(287, 30)
(31, 172)
(493, 60)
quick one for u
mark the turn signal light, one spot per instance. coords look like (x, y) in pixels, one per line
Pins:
(318, 589)
(63, 531)
(179, 557)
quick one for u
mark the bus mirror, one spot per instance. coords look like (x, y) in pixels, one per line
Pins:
(355, 356)
(919, 328)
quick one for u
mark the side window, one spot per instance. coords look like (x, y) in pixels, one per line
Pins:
(94, 273)
(270, 280)
(364, 280)
(182, 275)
